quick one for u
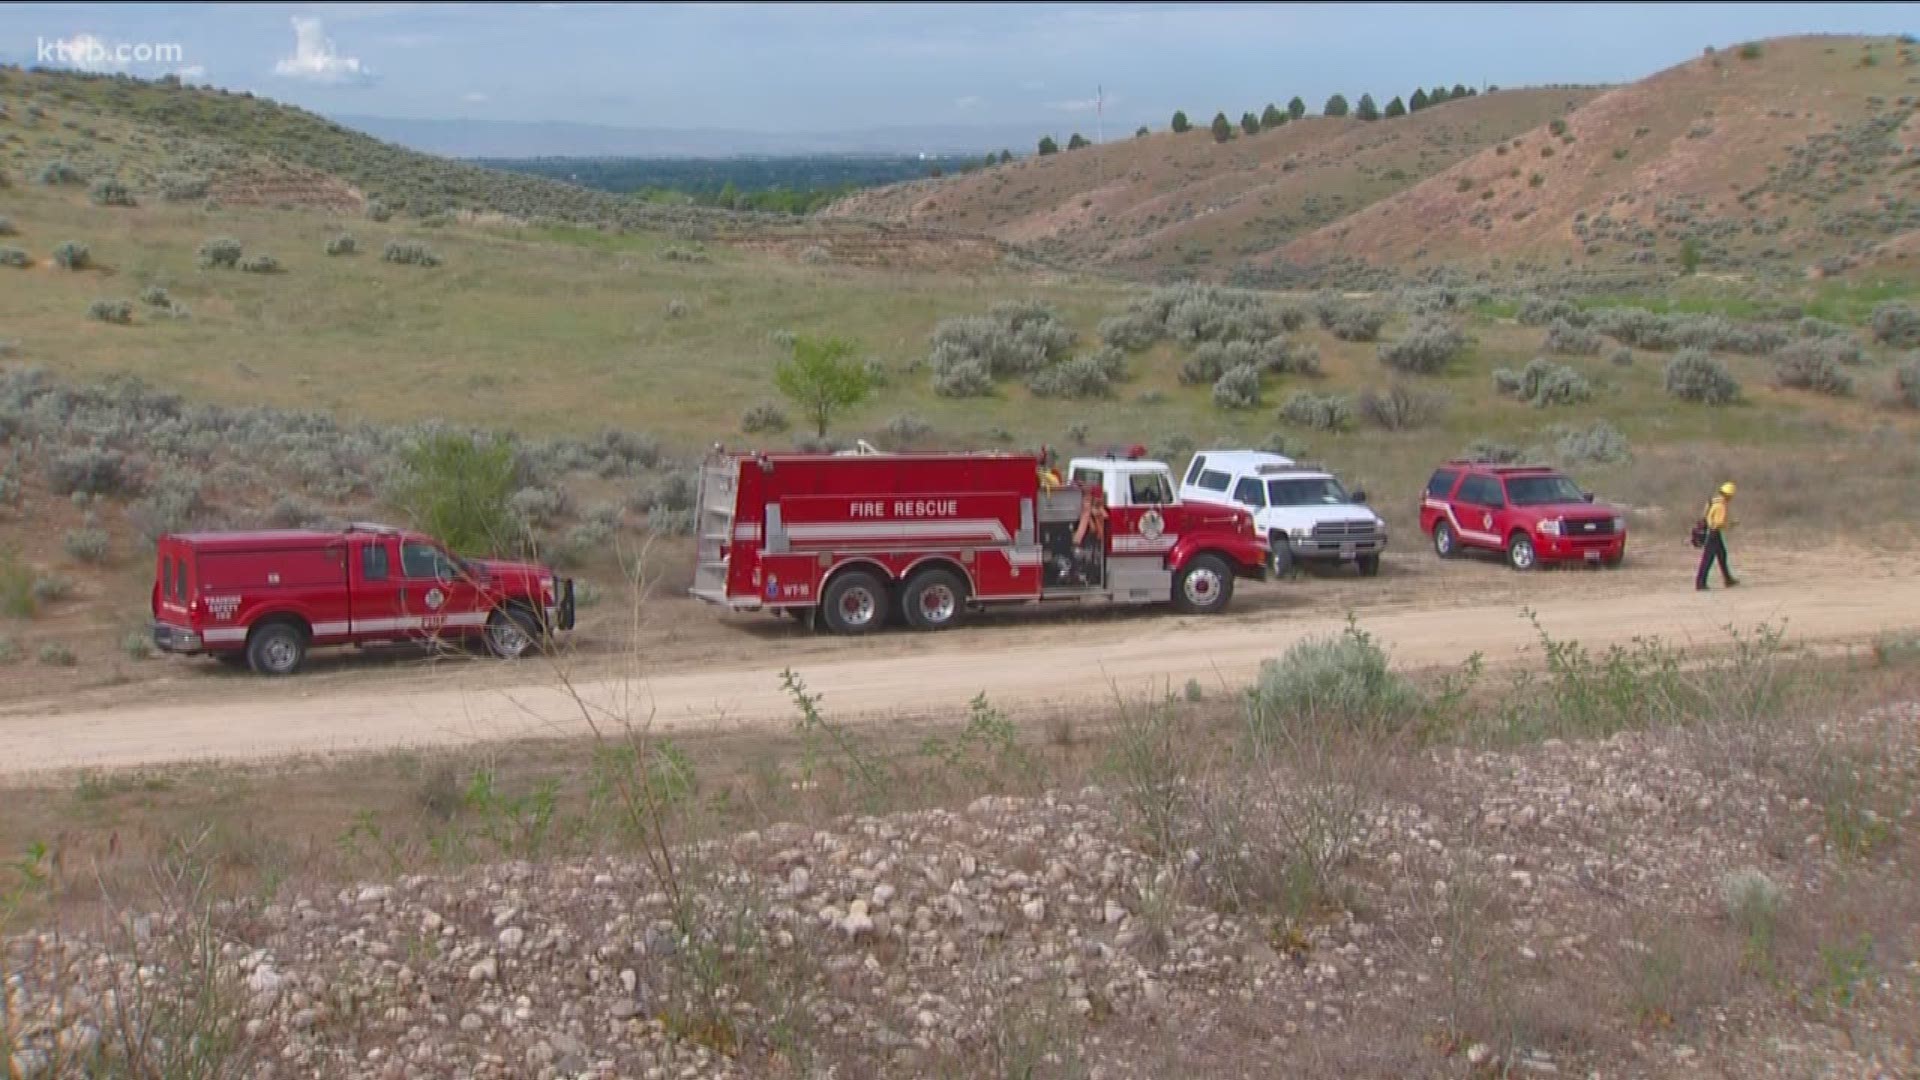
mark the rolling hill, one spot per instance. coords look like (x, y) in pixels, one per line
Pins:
(1166, 201)
(1783, 157)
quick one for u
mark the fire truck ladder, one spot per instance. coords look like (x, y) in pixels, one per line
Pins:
(714, 527)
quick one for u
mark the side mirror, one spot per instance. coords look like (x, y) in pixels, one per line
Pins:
(1360, 496)
(1587, 495)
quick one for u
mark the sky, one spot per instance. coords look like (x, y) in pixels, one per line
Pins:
(841, 67)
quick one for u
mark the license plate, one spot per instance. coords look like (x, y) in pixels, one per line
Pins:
(1346, 551)
(1593, 556)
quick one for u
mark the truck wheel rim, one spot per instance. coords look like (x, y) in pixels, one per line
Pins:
(280, 654)
(857, 607)
(508, 638)
(1443, 539)
(1202, 586)
(1522, 554)
(937, 603)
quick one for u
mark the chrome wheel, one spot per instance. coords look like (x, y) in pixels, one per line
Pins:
(1443, 540)
(1202, 586)
(937, 603)
(1521, 553)
(506, 638)
(858, 606)
(280, 653)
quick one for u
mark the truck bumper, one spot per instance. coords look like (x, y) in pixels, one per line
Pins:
(1336, 550)
(176, 639)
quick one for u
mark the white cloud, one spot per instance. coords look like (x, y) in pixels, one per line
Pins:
(193, 74)
(971, 101)
(315, 59)
(475, 97)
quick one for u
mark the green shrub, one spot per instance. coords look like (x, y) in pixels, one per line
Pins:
(906, 430)
(1320, 412)
(1401, 407)
(176, 187)
(54, 654)
(107, 191)
(56, 173)
(1621, 357)
(1601, 444)
(155, 296)
(1694, 376)
(51, 589)
(1339, 680)
(409, 253)
(963, 379)
(1359, 324)
(220, 253)
(1906, 383)
(1426, 348)
(1238, 388)
(138, 645)
(71, 255)
(1543, 383)
(1081, 378)
(1496, 452)
(17, 599)
(119, 312)
(15, 258)
(87, 545)
(260, 264)
(1565, 339)
(763, 417)
(7, 227)
(9, 652)
(378, 211)
(344, 244)
(1808, 365)
(1896, 323)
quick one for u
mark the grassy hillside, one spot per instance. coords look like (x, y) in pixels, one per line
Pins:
(1780, 158)
(1185, 202)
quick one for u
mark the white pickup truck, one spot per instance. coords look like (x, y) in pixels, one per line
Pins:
(1305, 512)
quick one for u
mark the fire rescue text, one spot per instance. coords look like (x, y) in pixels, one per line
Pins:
(906, 508)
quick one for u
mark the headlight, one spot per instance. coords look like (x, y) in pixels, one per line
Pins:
(1550, 528)
(1297, 534)
(1619, 524)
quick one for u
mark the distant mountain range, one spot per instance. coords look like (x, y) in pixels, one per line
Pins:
(520, 139)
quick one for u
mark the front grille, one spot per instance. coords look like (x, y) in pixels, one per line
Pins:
(1576, 529)
(1343, 530)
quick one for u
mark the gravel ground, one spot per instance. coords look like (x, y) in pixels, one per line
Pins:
(1555, 910)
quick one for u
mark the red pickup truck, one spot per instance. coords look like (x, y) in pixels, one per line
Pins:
(263, 599)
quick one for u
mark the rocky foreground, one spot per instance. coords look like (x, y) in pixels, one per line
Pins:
(1561, 910)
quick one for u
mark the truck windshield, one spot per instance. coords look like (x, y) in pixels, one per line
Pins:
(1542, 490)
(1325, 491)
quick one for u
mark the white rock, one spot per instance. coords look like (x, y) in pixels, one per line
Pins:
(375, 894)
(264, 981)
(882, 895)
(471, 1022)
(1034, 910)
(1478, 1054)
(799, 881)
(512, 937)
(857, 922)
(1115, 912)
(485, 971)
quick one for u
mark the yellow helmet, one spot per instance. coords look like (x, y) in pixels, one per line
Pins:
(1727, 489)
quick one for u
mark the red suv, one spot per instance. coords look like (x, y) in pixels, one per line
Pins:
(1532, 513)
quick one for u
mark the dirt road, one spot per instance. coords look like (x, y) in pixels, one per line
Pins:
(1051, 662)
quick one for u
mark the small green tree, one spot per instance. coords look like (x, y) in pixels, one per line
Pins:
(1437, 96)
(1250, 123)
(456, 489)
(1272, 117)
(1078, 141)
(1181, 125)
(1296, 108)
(1367, 109)
(1006, 156)
(1048, 146)
(1395, 108)
(1689, 255)
(1336, 106)
(822, 379)
(1418, 101)
(1142, 133)
(1222, 127)
(1459, 91)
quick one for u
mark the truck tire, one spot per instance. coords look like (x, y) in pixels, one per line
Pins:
(1282, 561)
(1203, 586)
(512, 632)
(1369, 565)
(1521, 554)
(933, 599)
(1445, 543)
(276, 648)
(855, 603)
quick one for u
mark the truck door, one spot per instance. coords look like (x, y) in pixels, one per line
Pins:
(437, 596)
(1138, 513)
(377, 589)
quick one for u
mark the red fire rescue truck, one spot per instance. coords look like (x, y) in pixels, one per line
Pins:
(263, 599)
(857, 537)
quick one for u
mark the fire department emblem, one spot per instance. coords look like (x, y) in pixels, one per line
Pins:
(1151, 526)
(435, 598)
(1486, 521)
(222, 606)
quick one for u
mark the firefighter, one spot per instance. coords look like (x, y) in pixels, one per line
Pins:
(1717, 521)
(1089, 537)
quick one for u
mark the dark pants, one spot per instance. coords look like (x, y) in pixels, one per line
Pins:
(1716, 550)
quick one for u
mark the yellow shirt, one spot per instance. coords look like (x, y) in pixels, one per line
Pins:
(1717, 514)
